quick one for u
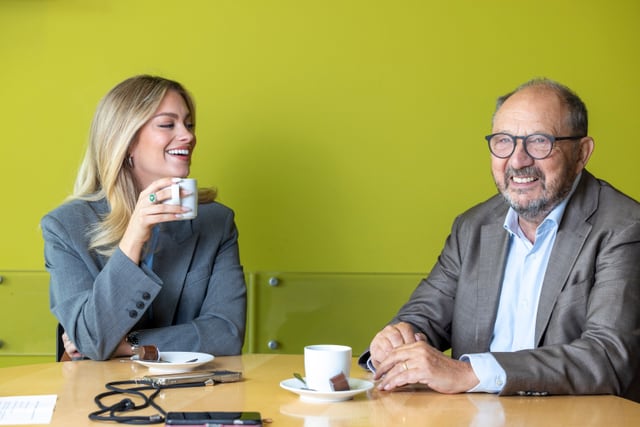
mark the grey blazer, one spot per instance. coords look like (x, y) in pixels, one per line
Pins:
(588, 322)
(193, 299)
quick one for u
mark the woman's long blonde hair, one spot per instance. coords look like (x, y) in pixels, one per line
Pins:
(106, 171)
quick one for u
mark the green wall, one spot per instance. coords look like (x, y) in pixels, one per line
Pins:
(345, 134)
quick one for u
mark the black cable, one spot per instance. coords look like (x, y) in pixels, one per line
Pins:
(114, 412)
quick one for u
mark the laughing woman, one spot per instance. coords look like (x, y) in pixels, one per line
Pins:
(127, 269)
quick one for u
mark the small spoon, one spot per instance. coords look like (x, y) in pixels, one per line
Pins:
(299, 378)
(188, 361)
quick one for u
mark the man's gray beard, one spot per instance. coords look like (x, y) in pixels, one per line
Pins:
(536, 210)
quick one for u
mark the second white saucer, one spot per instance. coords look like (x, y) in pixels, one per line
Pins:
(357, 386)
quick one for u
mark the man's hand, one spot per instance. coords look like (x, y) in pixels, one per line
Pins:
(418, 362)
(390, 337)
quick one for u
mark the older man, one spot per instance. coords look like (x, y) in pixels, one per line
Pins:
(537, 290)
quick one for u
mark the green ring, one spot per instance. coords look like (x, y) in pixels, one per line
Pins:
(152, 197)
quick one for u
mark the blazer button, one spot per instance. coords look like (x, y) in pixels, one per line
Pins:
(140, 305)
(133, 313)
(146, 296)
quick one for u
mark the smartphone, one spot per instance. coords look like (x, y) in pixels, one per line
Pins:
(211, 419)
(214, 376)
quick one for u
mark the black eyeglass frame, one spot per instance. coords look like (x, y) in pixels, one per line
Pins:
(524, 138)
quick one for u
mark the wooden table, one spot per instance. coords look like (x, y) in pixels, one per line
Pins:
(76, 384)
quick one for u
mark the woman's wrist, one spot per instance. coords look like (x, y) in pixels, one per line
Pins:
(132, 251)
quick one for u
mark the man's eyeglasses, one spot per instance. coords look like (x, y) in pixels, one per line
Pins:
(537, 145)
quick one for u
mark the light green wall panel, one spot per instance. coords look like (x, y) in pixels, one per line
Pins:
(345, 134)
(288, 311)
(27, 328)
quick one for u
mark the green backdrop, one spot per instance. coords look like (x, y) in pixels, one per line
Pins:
(345, 134)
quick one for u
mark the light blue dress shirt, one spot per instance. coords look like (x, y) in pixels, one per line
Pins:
(523, 276)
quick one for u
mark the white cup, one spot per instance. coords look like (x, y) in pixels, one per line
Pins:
(323, 362)
(189, 185)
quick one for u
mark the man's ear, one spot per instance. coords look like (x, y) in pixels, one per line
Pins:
(585, 149)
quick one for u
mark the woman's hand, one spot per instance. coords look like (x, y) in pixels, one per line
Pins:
(148, 212)
(70, 348)
(123, 349)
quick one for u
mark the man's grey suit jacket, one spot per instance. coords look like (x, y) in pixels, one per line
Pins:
(588, 322)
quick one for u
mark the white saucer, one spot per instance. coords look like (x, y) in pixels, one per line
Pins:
(357, 386)
(176, 361)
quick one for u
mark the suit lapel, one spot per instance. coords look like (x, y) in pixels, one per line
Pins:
(572, 233)
(493, 255)
(176, 247)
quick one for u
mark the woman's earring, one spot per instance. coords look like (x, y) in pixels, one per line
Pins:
(130, 161)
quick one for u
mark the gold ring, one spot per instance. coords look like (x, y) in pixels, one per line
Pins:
(404, 365)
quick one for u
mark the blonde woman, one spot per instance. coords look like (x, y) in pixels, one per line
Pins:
(127, 269)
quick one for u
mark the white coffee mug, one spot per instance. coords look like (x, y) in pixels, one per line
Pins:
(190, 201)
(323, 362)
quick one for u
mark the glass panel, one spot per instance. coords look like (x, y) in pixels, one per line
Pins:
(27, 327)
(322, 308)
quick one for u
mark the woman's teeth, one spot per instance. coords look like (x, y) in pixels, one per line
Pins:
(179, 152)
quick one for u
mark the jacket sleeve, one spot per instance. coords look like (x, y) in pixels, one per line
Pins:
(88, 298)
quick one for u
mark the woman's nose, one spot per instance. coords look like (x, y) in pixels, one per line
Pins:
(186, 133)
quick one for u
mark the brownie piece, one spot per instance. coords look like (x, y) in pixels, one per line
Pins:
(339, 382)
(148, 352)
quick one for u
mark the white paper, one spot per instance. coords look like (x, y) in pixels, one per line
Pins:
(17, 410)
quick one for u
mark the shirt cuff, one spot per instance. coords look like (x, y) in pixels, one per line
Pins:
(370, 365)
(491, 375)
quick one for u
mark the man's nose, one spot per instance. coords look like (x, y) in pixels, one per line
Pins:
(520, 157)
